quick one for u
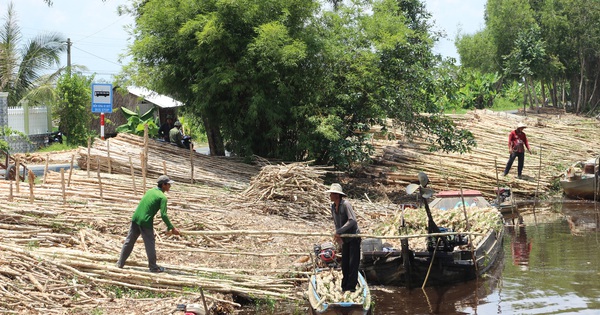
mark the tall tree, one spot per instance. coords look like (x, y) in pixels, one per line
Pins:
(291, 79)
(21, 67)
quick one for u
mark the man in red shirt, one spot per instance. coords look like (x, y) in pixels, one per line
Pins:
(517, 142)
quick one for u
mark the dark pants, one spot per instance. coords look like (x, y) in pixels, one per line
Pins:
(148, 236)
(511, 159)
(350, 263)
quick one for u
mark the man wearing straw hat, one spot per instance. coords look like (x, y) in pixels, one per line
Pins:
(142, 223)
(345, 223)
(517, 142)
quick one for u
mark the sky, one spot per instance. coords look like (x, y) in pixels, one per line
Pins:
(99, 37)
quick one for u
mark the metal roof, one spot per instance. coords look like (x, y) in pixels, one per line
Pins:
(159, 100)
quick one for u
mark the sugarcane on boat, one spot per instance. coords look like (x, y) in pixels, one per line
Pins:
(326, 297)
(432, 255)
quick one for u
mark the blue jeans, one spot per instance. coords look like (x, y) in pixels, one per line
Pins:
(511, 159)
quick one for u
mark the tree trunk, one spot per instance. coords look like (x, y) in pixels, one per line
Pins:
(213, 134)
(581, 79)
(544, 98)
(535, 101)
(554, 93)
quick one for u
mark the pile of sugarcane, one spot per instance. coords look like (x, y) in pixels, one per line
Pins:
(297, 185)
(127, 154)
(477, 220)
(556, 141)
(329, 288)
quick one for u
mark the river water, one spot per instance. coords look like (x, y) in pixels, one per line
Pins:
(550, 265)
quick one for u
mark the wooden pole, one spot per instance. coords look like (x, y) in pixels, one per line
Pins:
(31, 179)
(132, 175)
(143, 172)
(108, 155)
(10, 192)
(191, 163)
(538, 185)
(165, 167)
(17, 176)
(100, 181)
(71, 170)
(46, 168)
(62, 182)
(88, 156)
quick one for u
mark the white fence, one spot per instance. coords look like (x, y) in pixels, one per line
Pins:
(29, 120)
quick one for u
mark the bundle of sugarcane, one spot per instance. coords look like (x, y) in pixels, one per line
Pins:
(296, 183)
(481, 220)
(329, 288)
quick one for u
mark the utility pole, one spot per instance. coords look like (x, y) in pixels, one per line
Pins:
(69, 54)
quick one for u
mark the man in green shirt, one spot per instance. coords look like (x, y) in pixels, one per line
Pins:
(176, 136)
(142, 223)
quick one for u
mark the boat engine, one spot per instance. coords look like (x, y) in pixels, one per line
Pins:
(503, 194)
(326, 255)
(451, 241)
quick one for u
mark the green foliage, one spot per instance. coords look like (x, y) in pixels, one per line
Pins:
(293, 79)
(73, 108)
(477, 90)
(7, 131)
(136, 122)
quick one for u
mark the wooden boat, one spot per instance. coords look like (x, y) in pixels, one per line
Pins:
(321, 306)
(391, 267)
(447, 258)
(581, 180)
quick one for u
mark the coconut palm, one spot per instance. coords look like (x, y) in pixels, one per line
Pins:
(23, 69)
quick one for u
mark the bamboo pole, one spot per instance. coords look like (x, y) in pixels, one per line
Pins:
(62, 183)
(132, 175)
(108, 155)
(17, 176)
(100, 182)
(164, 163)
(31, 179)
(89, 145)
(191, 163)
(143, 164)
(70, 170)
(10, 194)
(46, 168)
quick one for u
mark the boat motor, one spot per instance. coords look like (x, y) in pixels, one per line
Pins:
(326, 254)
(503, 194)
(451, 241)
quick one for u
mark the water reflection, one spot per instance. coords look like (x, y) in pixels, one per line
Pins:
(520, 246)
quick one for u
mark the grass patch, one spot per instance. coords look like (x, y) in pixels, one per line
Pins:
(57, 147)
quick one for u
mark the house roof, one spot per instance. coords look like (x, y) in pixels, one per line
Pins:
(159, 100)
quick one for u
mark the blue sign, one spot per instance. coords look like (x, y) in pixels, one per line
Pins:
(102, 100)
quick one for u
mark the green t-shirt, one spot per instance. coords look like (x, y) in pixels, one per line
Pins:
(153, 200)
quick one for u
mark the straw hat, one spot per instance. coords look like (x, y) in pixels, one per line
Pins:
(521, 125)
(336, 189)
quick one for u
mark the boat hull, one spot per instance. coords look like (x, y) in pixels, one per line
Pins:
(582, 188)
(391, 268)
(339, 308)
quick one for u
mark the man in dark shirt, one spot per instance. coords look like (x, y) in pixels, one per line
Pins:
(164, 129)
(142, 223)
(345, 223)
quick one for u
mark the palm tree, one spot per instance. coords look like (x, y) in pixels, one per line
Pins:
(21, 68)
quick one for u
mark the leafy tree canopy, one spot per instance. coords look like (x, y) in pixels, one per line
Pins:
(293, 79)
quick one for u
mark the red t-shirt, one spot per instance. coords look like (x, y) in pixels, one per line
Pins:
(517, 141)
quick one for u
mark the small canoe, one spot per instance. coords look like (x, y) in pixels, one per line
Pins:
(322, 305)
